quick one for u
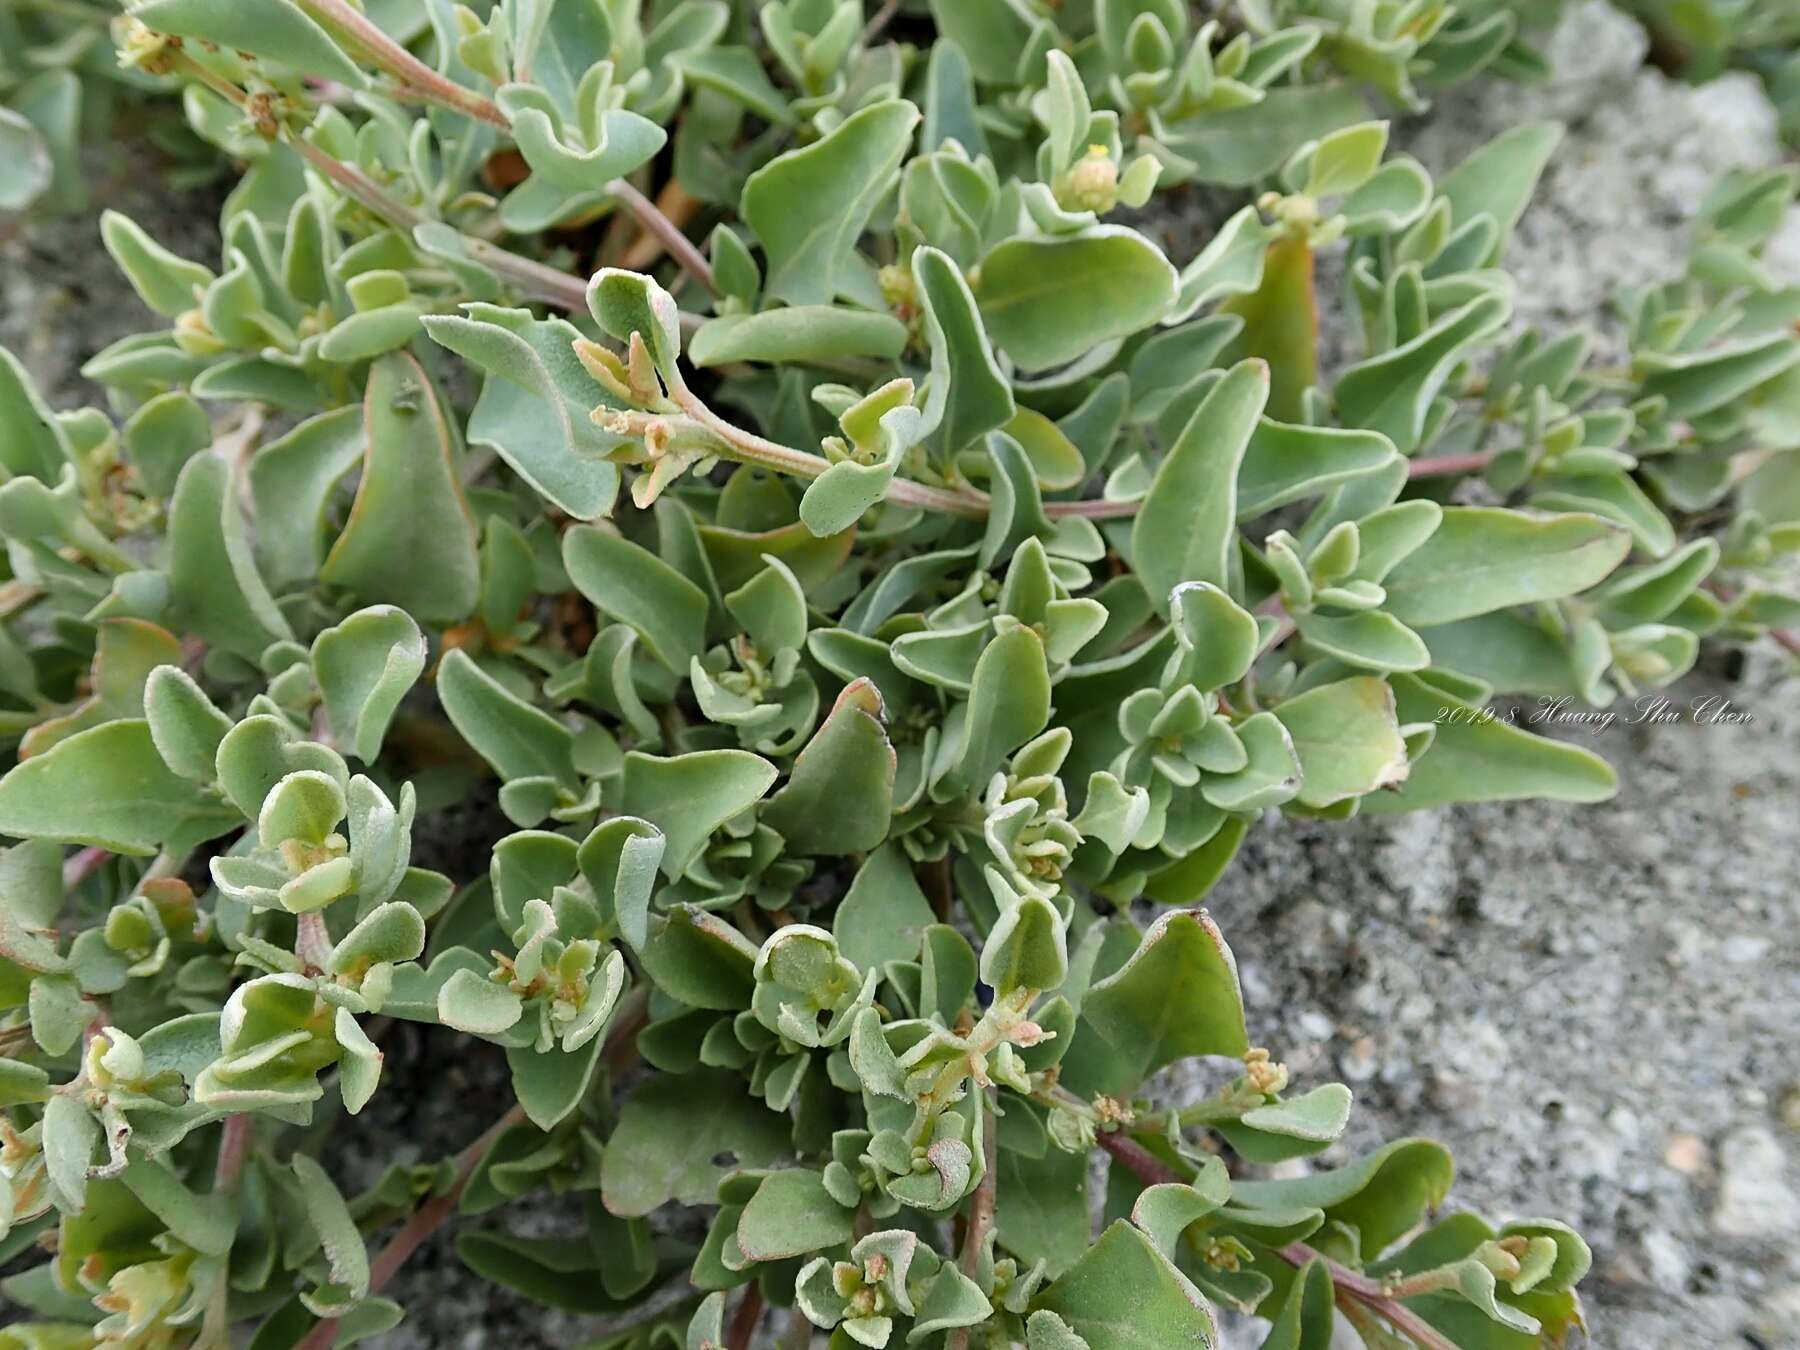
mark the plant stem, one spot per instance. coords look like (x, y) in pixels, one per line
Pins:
(423, 1223)
(1373, 1296)
(1138, 1160)
(1446, 466)
(882, 18)
(1349, 1284)
(1285, 627)
(535, 279)
(981, 1215)
(235, 1138)
(673, 1294)
(743, 1321)
(420, 79)
(413, 73)
(667, 232)
(83, 865)
(749, 448)
(1093, 508)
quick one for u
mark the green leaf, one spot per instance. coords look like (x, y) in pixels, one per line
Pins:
(798, 334)
(1026, 949)
(410, 540)
(1286, 463)
(1009, 703)
(364, 666)
(1186, 528)
(1347, 738)
(25, 164)
(1475, 758)
(1344, 160)
(534, 404)
(305, 806)
(1044, 1330)
(471, 1002)
(519, 740)
(884, 914)
(1124, 1294)
(1050, 300)
(738, 74)
(552, 1083)
(166, 283)
(618, 859)
(70, 1138)
(624, 303)
(277, 29)
(391, 933)
(1382, 1195)
(347, 1259)
(109, 788)
(292, 481)
(639, 589)
(1307, 1313)
(185, 725)
(700, 959)
(790, 1215)
(1369, 640)
(1392, 393)
(163, 435)
(1234, 147)
(670, 1131)
(1291, 1128)
(808, 206)
(1481, 559)
(950, 106)
(1042, 1207)
(952, 1300)
(263, 749)
(1498, 179)
(215, 590)
(1167, 1210)
(689, 796)
(1697, 383)
(615, 140)
(1230, 264)
(967, 396)
(201, 1222)
(1175, 997)
(35, 444)
(839, 797)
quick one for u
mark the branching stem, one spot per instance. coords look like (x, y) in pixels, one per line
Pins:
(423, 1223)
(412, 73)
(1348, 1284)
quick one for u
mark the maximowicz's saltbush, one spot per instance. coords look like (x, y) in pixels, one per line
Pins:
(883, 620)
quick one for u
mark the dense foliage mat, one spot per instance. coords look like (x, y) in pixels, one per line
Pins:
(751, 452)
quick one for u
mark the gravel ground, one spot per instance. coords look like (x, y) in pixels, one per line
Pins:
(1595, 1008)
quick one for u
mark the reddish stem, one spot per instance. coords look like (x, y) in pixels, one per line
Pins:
(423, 1223)
(80, 866)
(743, 1322)
(1349, 1284)
(1138, 1160)
(1372, 1296)
(1447, 466)
(235, 1138)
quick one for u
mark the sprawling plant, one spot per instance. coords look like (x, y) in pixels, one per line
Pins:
(884, 621)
